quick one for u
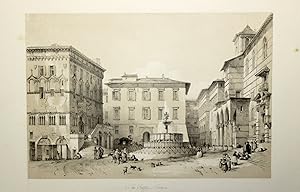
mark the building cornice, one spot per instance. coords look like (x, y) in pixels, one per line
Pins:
(59, 48)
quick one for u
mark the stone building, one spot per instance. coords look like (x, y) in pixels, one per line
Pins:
(245, 111)
(135, 106)
(206, 104)
(192, 122)
(64, 100)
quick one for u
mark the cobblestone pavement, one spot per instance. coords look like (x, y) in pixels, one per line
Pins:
(259, 166)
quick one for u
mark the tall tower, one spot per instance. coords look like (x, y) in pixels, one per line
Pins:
(242, 39)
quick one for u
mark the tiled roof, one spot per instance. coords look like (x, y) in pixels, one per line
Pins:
(246, 31)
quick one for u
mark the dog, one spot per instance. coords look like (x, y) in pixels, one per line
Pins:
(152, 164)
(133, 167)
(125, 170)
(159, 164)
(139, 169)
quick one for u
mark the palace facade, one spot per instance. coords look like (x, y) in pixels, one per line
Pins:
(134, 106)
(64, 101)
(242, 111)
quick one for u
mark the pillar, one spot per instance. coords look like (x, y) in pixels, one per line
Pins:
(266, 127)
(257, 125)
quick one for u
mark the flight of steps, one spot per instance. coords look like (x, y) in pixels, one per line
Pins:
(87, 150)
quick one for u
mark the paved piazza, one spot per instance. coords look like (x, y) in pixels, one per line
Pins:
(259, 166)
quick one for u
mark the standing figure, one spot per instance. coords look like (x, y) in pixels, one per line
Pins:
(248, 148)
(117, 156)
(95, 153)
(228, 159)
(100, 152)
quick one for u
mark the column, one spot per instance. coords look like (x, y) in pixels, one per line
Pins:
(218, 136)
(257, 125)
(107, 141)
(266, 127)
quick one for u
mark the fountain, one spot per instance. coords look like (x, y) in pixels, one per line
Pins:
(165, 145)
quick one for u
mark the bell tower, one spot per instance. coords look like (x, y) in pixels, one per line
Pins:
(242, 39)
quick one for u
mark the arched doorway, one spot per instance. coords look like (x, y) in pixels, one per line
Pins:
(146, 137)
(62, 148)
(44, 149)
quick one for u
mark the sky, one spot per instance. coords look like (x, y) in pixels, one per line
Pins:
(184, 47)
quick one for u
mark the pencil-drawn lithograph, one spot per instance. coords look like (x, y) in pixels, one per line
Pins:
(149, 95)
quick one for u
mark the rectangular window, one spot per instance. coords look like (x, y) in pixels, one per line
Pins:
(116, 113)
(146, 113)
(146, 95)
(238, 94)
(106, 116)
(41, 70)
(52, 70)
(62, 120)
(130, 129)
(175, 112)
(131, 95)
(131, 113)
(52, 120)
(116, 95)
(160, 113)
(31, 135)
(42, 94)
(106, 98)
(116, 129)
(160, 95)
(52, 92)
(175, 95)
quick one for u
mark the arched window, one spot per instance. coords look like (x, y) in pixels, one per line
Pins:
(253, 59)
(265, 47)
(247, 67)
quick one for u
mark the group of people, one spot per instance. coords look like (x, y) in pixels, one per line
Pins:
(98, 152)
(226, 162)
(120, 156)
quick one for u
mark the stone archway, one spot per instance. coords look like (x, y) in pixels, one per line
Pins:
(44, 149)
(222, 128)
(218, 129)
(228, 128)
(61, 148)
(146, 136)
